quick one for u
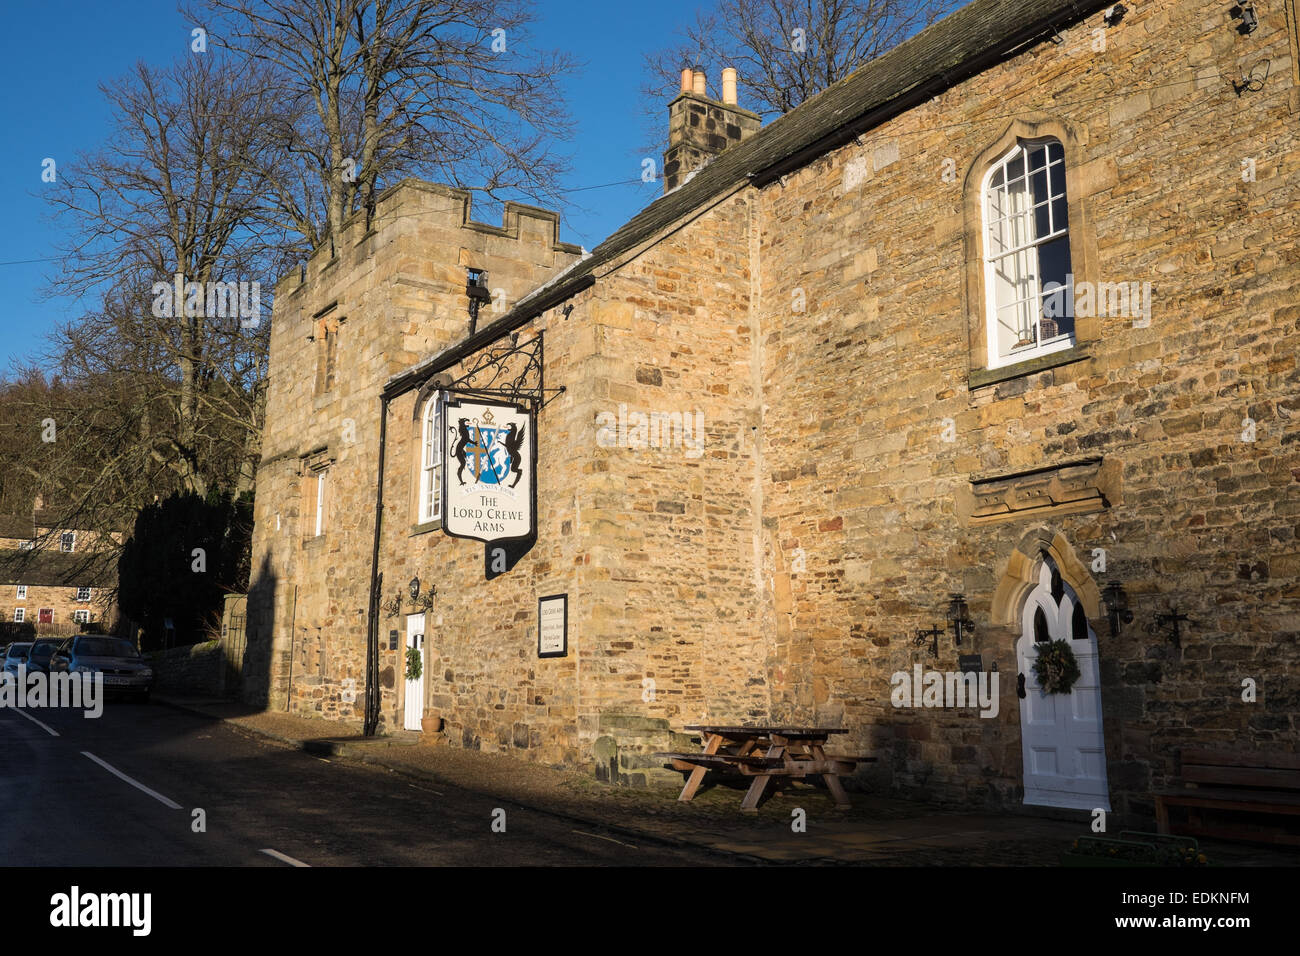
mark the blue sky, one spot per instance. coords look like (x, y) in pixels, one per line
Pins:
(55, 53)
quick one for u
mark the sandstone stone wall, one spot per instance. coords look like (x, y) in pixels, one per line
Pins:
(860, 461)
(865, 383)
(197, 670)
(62, 601)
(388, 297)
(639, 538)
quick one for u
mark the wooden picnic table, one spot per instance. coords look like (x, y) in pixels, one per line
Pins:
(765, 753)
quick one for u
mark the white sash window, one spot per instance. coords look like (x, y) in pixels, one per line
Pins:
(431, 462)
(1027, 254)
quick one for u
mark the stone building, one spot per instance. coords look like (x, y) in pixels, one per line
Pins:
(1009, 314)
(50, 581)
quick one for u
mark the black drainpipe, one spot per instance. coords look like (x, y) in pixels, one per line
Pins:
(372, 617)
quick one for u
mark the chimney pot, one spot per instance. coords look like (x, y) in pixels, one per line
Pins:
(729, 86)
(700, 128)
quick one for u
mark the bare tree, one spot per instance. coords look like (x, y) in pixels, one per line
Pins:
(172, 193)
(372, 91)
(786, 51)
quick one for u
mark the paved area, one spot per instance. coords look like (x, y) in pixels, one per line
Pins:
(145, 785)
(876, 831)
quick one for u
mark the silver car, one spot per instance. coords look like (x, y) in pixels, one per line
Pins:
(16, 656)
(123, 668)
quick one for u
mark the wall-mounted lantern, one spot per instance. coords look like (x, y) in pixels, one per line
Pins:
(1245, 12)
(414, 588)
(1114, 15)
(476, 288)
(958, 617)
(1117, 610)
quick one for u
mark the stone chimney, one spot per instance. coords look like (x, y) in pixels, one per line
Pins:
(700, 128)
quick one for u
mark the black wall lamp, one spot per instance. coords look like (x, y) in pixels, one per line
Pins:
(425, 602)
(1114, 15)
(477, 290)
(1245, 12)
(1117, 610)
(959, 617)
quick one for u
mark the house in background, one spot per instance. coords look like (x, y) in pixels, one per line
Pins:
(989, 348)
(54, 581)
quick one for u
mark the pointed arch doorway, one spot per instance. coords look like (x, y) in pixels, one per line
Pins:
(1061, 734)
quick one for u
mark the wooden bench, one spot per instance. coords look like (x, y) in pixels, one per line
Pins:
(1256, 783)
(768, 754)
(751, 765)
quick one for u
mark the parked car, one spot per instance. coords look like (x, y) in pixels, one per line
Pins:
(123, 668)
(43, 648)
(15, 655)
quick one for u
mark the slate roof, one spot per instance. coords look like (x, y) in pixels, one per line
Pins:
(55, 569)
(20, 526)
(961, 45)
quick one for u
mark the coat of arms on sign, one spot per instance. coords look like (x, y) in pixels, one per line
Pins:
(492, 454)
(488, 490)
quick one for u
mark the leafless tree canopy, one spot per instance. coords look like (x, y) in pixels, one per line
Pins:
(225, 168)
(172, 192)
(785, 50)
(372, 91)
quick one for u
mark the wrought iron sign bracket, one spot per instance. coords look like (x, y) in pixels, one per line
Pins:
(508, 371)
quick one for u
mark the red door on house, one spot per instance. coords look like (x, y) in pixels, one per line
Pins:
(46, 615)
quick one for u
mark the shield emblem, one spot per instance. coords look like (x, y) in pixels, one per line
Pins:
(488, 459)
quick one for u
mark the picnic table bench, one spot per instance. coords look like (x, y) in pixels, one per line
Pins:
(1258, 783)
(787, 753)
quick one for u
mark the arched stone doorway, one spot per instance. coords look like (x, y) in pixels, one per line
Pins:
(1047, 595)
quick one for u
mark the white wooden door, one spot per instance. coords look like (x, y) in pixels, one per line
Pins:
(1061, 736)
(414, 688)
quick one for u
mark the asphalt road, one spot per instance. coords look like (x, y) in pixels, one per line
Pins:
(66, 804)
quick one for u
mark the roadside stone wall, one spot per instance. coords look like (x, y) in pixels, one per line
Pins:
(197, 670)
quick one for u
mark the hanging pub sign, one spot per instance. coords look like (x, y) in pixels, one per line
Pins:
(489, 460)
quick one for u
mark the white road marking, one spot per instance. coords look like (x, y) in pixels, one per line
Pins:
(135, 783)
(286, 859)
(610, 839)
(45, 727)
(426, 790)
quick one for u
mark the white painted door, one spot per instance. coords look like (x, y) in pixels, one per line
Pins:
(414, 688)
(1061, 737)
